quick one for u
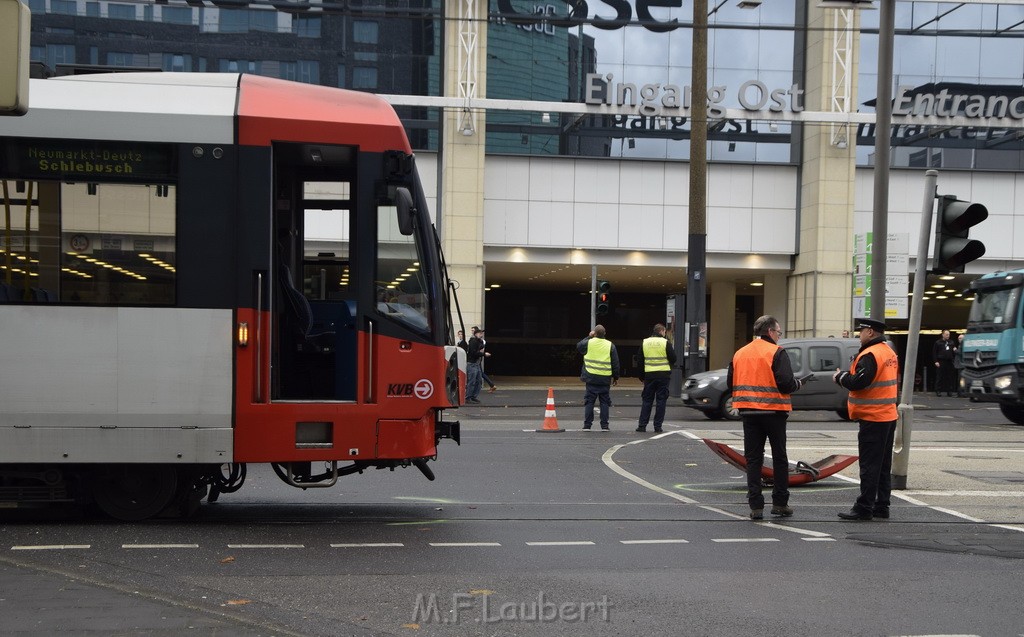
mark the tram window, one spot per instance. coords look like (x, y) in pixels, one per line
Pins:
(400, 283)
(89, 243)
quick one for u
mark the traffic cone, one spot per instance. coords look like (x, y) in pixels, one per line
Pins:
(550, 420)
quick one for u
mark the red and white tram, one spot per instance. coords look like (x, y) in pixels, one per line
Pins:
(199, 271)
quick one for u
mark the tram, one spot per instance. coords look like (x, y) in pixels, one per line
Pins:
(202, 271)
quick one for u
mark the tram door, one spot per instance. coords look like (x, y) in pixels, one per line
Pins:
(315, 350)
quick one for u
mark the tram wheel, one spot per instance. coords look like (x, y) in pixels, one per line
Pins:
(135, 492)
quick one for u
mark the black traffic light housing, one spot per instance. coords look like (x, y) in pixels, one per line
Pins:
(603, 288)
(953, 248)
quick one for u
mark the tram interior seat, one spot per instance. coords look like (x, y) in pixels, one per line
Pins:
(318, 338)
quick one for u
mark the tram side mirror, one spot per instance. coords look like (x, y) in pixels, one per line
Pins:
(406, 210)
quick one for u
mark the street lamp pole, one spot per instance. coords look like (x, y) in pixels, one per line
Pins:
(696, 252)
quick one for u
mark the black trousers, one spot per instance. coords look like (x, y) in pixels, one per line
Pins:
(654, 395)
(874, 444)
(757, 429)
(945, 378)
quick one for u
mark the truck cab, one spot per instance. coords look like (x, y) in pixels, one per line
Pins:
(993, 347)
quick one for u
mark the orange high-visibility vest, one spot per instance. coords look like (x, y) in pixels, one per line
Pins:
(753, 382)
(877, 401)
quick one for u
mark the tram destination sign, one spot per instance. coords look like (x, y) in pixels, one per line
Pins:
(90, 160)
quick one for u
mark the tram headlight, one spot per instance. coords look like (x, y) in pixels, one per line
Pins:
(243, 334)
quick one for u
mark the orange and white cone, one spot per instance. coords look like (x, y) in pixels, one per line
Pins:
(550, 420)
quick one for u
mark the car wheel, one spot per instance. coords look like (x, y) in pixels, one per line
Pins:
(728, 411)
(713, 414)
(843, 413)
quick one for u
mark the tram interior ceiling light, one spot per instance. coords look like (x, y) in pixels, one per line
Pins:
(546, 118)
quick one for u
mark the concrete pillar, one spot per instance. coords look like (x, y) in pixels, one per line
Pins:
(462, 155)
(819, 293)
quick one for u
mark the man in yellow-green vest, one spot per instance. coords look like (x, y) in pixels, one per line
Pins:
(600, 372)
(657, 358)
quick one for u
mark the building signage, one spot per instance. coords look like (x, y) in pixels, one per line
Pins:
(655, 99)
(580, 13)
(910, 101)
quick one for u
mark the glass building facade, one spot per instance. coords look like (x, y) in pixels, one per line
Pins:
(554, 52)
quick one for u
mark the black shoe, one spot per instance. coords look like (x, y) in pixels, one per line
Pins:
(854, 514)
(881, 512)
(657, 431)
(473, 400)
(642, 430)
(756, 514)
(782, 510)
(585, 428)
(605, 429)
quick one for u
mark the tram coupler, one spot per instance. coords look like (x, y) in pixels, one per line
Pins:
(447, 429)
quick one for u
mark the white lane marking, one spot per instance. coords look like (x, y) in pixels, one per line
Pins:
(654, 541)
(266, 546)
(51, 547)
(569, 543)
(967, 494)
(607, 459)
(366, 545)
(744, 539)
(906, 495)
(818, 539)
(464, 543)
(159, 546)
(1011, 527)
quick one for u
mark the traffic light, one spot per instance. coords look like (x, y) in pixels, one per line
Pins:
(603, 287)
(953, 249)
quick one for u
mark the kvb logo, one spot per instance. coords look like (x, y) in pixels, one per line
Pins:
(423, 389)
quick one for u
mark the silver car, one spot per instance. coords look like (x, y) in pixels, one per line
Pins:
(820, 357)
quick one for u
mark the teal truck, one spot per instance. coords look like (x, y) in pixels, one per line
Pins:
(993, 347)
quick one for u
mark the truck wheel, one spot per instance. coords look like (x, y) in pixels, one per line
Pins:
(1015, 413)
(135, 492)
(728, 411)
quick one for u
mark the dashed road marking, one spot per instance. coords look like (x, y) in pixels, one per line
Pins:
(738, 540)
(159, 546)
(654, 541)
(567, 543)
(460, 544)
(266, 546)
(366, 545)
(51, 547)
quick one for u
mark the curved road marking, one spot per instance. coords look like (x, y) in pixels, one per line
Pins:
(611, 464)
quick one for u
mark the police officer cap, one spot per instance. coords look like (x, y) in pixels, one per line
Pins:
(878, 326)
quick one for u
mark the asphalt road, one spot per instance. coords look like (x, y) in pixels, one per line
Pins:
(527, 533)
